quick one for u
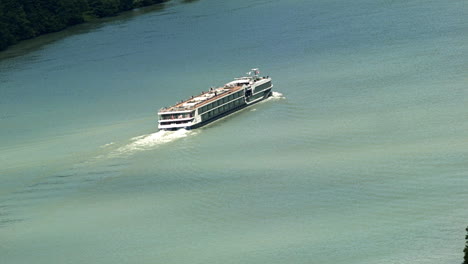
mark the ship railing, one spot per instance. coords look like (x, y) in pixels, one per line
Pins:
(176, 119)
(175, 109)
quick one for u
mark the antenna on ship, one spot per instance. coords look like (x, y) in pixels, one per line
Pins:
(255, 71)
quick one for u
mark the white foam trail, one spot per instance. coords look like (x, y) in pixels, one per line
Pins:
(150, 141)
(107, 145)
(277, 95)
(274, 96)
(138, 137)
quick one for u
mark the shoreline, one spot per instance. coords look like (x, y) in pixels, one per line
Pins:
(22, 23)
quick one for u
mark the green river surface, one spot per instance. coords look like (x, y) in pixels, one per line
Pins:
(361, 155)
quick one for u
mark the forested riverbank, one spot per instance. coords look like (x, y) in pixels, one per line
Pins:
(25, 19)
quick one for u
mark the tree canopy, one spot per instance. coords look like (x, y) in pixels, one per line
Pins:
(23, 19)
(466, 249)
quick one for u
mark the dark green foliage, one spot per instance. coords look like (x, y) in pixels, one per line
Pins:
(23, 19)
(466, 249)
(126, 5)
(140, 3)
(104, 8)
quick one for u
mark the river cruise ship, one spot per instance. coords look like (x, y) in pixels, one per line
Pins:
(216, 103)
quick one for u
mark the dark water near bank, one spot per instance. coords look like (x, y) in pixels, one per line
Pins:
(360, 157)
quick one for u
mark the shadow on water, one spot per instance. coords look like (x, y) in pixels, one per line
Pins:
(31, 45)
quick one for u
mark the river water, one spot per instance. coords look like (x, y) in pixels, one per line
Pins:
(359, 157)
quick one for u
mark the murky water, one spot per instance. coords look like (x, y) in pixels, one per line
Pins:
(360, 157)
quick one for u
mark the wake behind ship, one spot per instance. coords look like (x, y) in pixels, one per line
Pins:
(216, 103)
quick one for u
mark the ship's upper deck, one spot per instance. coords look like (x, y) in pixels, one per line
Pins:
(213, 94)
(205, 97)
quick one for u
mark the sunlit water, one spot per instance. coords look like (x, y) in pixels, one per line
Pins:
(359, 157)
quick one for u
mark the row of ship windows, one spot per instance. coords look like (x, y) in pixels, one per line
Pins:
(177, 116)
(263, 86)
(175, 122)
(256, 96)
(220, 101)
(222, 109)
